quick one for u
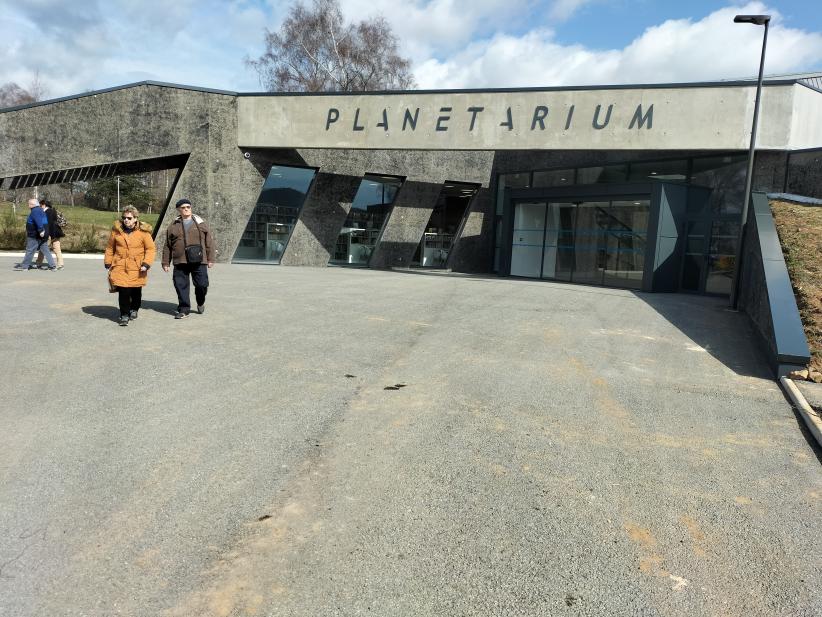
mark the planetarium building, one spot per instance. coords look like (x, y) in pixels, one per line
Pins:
(637, 187)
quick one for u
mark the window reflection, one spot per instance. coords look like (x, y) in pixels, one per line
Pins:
(275, 214)
(725, 174)
(443, 225)
(626, 242)
(365, 220)
(722, 257)
(592, 242)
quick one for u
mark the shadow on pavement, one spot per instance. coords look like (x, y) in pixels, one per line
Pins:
(109, 312)
(169, 308)
(725, 334)
(112, 313)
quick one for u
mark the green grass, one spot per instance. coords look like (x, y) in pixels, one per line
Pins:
(79, 215)
(86, 232)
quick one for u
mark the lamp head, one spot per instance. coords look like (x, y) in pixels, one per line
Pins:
(759, 20)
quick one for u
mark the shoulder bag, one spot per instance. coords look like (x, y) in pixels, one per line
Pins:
(194, 252)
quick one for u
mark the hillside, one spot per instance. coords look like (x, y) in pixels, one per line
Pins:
(800, 233)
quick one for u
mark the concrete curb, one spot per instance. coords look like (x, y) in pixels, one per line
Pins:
(812, 419)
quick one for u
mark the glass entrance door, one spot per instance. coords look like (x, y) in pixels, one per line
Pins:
(528, 241)
(592, 242)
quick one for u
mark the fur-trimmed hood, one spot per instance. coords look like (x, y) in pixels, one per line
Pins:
(196, 218)
(118, 226)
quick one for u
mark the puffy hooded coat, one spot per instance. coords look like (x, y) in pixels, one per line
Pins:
(126, 252)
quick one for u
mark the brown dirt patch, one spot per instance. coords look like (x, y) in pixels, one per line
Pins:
(800, 233)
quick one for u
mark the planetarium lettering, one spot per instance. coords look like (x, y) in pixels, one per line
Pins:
(542, 117)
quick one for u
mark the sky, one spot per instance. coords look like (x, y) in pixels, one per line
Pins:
(74, 47)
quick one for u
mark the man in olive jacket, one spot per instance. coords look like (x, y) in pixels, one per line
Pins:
(183, 237)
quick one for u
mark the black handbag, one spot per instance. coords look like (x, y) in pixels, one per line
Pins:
(194, 252)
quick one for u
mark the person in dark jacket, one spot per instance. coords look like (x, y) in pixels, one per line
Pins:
(55, 233)
(37, 237)
(185, 233)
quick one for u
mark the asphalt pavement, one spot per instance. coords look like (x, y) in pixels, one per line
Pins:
(350, 442)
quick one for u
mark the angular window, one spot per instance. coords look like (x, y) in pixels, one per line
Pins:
(442, 227)
(365, 220)
(275, 215)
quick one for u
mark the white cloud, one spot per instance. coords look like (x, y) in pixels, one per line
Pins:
(86, 45)
(677, 50)
(563, 9)
(92, 44)
(433, 28)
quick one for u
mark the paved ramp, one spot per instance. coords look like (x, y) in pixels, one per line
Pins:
(338, 442)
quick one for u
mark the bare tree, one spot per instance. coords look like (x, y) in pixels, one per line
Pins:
(12, 94)
(37, 88)
(316, 51)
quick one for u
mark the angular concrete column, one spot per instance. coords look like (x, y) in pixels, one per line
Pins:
(321, 217)
(403, 231)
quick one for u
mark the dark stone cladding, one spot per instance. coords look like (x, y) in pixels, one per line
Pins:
(144, 122)
(424, 172)
(766, 294)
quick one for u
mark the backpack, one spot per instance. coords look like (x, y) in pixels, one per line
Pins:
(60, 219)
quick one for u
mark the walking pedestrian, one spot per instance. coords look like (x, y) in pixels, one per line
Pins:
(190, 247)
(37, 237)
(128, 258)
(55, 233)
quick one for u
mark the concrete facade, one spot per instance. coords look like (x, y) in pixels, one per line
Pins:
(229, 143)
(137, 123)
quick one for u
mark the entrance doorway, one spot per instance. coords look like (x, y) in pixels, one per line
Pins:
(602, 242)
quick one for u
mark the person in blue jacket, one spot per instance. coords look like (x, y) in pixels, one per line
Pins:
(37, 237)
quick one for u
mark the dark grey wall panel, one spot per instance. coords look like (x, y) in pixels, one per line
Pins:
(805, 174)
(766, 294)
(420, 168)
(323, 214)
(666, 237)
(404, 228)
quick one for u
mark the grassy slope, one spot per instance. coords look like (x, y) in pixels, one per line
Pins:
(87, 230)
(800, 233)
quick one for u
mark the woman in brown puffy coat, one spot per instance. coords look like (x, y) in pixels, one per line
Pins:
(129, 254)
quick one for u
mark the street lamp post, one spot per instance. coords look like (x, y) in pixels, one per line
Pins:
(759, 20)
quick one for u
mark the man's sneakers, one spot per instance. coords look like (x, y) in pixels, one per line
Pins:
(132, 314)
(182, 315)
(20, 268)
(123, 320)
